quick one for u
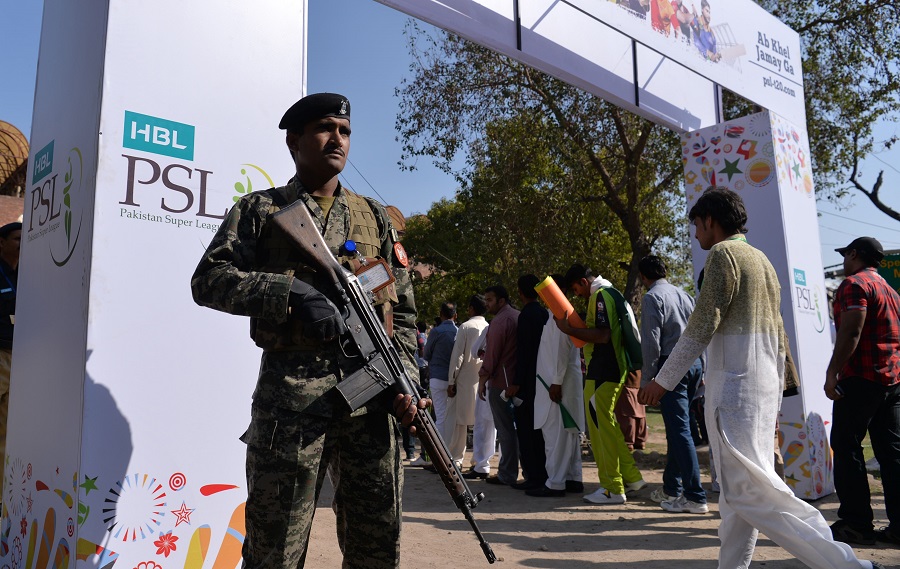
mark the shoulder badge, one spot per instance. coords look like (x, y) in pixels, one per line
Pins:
(400, 254)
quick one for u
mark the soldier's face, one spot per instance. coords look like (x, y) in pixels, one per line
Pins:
(322, 148)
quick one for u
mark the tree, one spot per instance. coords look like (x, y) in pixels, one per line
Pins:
(531, 139)
(851, 69)
(511, 218)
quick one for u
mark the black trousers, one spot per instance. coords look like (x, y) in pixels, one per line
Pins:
(531, 440)
(866, 406)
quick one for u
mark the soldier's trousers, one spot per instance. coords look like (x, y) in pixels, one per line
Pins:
(288, 455)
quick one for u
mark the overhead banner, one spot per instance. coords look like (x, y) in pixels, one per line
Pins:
(766, 160)
(127, 399)
(657, 58)
(735, 43)
(570, 45)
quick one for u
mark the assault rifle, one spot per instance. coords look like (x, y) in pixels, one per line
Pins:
(380, 366)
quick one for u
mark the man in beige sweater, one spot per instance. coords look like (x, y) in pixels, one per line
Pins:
(737, 319)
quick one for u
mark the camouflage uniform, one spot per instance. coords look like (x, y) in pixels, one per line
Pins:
(299, 428)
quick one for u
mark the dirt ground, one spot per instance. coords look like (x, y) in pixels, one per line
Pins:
(553, 533)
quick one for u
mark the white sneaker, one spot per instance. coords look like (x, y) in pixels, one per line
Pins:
(602, 496)
(635, 486)
(419, 461)
(685, 506)
(659, 495)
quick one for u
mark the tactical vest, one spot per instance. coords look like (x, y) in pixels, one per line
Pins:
(278, 255)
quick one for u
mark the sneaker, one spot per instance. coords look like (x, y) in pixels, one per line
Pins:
(602, 496)
(876, 565)
(684, 506)
(635, 486)
(841, 531)
(659, 495)
(419, 461)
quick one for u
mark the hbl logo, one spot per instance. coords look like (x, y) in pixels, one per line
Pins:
(800, 277)
(158, 136)
(43, 163)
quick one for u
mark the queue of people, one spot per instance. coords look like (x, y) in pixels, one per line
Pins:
(521, 379)
(730, 342)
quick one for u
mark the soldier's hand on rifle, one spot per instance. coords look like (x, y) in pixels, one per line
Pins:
(406, 411)
(321, 318)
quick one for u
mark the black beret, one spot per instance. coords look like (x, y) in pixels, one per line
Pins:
(9, 228)
(314, 107)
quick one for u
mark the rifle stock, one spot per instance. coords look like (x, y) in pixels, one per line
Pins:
(380, 364)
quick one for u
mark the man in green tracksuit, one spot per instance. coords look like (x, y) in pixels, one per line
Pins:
(608, 365)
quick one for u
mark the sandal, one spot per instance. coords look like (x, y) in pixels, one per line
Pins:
(842, 531)
(887, 536)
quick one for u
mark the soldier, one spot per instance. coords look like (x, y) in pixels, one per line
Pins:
(299, 428)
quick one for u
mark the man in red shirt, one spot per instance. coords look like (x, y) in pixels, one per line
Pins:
(863, 380)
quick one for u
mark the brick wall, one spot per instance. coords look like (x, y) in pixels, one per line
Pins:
(11, 209)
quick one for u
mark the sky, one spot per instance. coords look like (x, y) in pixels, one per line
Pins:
(357, 48)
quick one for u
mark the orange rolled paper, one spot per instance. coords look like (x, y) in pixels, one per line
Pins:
(559, 305)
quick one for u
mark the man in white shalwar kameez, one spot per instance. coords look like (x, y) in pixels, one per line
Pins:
(461, 405)
(738, 317)
(559, 411)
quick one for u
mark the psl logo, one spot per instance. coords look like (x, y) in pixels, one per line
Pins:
(245, 186)
(809, 299)
(818, 299)
(54, 201)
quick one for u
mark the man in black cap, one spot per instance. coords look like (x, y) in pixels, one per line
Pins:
(863, 380)
(10, 238)
(299, 428)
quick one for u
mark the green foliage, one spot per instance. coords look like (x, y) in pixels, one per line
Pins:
(552, 175)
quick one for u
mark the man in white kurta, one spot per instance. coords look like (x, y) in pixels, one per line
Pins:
(738, 317)
(559, 410)
(461, 405)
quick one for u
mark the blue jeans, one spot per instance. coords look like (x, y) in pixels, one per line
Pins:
(682, 473)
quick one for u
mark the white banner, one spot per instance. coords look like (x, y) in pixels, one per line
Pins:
(765, 159)
(658, 58)
(148, 393)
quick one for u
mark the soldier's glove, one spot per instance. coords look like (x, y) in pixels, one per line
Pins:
(321, 318)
